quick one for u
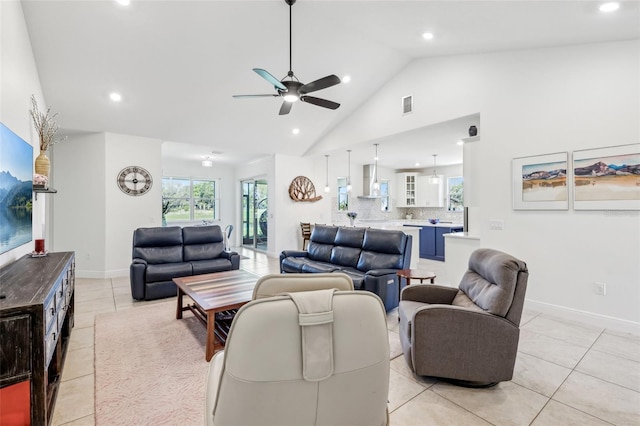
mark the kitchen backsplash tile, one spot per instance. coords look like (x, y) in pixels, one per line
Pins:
(370, 209)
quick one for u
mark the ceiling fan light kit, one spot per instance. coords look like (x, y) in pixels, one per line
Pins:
(290, 88)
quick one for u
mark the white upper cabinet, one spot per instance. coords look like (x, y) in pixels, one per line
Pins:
(414, 190)
(430, 194)
(407, 189)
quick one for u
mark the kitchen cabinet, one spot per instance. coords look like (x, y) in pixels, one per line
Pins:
(432, 241)
(406, 186)
(430, 194)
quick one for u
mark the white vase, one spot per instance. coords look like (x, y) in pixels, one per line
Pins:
(352, 221)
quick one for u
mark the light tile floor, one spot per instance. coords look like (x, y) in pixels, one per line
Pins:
(566, 373)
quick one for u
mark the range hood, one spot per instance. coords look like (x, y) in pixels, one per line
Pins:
(368, 179)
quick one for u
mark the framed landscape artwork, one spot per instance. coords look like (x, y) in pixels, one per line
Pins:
(540, 182)
(16, 197)
(607, 178)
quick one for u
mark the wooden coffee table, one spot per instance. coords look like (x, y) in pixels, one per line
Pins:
(213, 293)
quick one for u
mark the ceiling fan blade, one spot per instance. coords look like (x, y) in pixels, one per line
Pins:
(271, 79)
(256, 96)
(285, 108)
(320, 102)
(323, 83)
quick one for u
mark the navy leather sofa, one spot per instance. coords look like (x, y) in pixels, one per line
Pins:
(163, 253)
(371, 257)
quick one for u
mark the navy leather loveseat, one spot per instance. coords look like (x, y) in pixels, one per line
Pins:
(163, 253)
(371, 257)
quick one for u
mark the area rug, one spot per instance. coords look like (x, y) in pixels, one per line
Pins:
(149, 367)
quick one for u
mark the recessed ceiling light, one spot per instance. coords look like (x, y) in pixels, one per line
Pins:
(115, 97)
(124, 2)
(427, 36)
(346, 79)
(295, 131)
(417, 164)
(609, 7)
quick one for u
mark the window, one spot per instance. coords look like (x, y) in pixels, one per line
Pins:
(384, 195)
(187, 199)
(455, 196)
(343, 195)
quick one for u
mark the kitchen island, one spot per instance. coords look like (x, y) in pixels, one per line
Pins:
(429, 242)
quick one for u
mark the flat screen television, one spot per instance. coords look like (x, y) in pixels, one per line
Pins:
(16, 190)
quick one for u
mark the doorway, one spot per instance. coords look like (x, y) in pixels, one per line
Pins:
(254, 214)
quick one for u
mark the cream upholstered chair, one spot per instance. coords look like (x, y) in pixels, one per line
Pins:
(275, 284)
(470, 333)
(317, 357)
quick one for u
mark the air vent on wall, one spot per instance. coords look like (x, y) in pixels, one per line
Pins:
(407, 104)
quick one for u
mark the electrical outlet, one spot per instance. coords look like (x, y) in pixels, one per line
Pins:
(496, 225)
(601, 289)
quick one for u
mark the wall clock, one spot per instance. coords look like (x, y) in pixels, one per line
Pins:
(134, 180)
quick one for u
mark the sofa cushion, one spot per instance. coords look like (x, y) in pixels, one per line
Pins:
(384, 241)
(319, 251)
(202, 251)
(159, 255)
(324, 234)
(157, 237)
(356, 276)
(158, 245)
(319, 267)
(210, 265)
(202, 234)
(167, 271)
(202, 242)
(371, 260)
(349, 237)
(345, 256)
(294, 264)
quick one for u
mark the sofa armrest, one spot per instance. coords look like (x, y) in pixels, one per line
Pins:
(381, 272)
(429, 293)
(233, 257)
(137, 273)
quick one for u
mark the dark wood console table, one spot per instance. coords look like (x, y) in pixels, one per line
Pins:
(36, 318)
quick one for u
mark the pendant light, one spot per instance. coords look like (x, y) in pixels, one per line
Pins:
(376, 184)
(327, 188)
(207, 162)
(435, 179)
(349, 171)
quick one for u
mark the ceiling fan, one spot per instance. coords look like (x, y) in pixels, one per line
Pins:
(291, 89)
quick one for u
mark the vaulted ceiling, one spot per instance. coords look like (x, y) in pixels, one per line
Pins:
(178, 63)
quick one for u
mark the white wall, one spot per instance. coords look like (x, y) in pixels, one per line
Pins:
(125, 213)
(535, 102)
(92, 216)
(79, 207)
(18, 81)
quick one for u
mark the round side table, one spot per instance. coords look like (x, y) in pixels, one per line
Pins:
(413, 274)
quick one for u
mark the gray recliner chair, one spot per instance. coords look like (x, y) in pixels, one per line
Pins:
(467, 334)
(317, 357)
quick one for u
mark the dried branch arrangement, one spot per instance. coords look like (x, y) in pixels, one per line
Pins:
(45, 125)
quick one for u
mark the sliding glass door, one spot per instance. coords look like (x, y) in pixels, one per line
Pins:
(254, 214)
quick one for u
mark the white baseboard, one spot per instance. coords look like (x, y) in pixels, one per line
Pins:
(590, 318)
